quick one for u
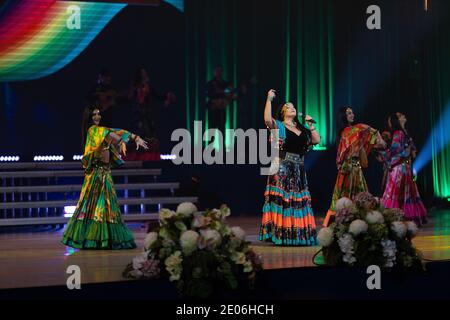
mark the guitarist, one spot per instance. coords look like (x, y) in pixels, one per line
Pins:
(104, 95)
(220, 93)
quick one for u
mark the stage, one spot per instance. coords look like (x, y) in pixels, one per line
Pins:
(32, 257)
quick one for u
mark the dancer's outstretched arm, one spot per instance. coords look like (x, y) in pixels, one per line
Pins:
(268, 120)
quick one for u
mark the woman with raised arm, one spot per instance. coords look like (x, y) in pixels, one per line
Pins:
(288, 218)
(97, 221)
(355, 142)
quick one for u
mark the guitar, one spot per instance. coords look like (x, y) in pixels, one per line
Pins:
(230, 94)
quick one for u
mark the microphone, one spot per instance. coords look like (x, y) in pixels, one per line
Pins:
(304, 116)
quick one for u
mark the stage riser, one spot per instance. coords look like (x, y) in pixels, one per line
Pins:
(75, 173)
(56, 165)
(39, 196)
(62, 220)
(77, 188)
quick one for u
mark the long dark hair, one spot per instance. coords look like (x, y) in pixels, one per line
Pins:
(280, 116)
(394, 123)
(342, 122)
(86, 123)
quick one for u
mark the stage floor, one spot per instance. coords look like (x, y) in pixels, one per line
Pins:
(31, 258)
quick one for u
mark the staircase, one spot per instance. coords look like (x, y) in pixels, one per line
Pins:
(36, 193)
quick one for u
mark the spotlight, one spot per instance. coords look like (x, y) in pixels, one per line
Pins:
(168, 157)
(68, 211)
(48, 158)
(9, 158)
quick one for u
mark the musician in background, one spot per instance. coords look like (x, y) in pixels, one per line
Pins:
(142, 94)
(220, 94)
(104, 96)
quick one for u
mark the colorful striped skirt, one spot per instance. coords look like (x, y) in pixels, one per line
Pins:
(349, 182)
(97, 221)
(288, 218)
(401, 192)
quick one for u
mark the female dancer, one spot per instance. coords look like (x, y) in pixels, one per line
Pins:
(97, 222)
(288, 218)
(401, 189)
(355, 143)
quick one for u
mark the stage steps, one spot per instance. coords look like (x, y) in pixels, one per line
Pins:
(56, 165)
(77, 187)
(37, 193)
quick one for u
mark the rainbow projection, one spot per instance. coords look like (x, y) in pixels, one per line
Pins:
(37, 38)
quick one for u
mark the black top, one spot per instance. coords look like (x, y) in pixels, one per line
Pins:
(296, 144)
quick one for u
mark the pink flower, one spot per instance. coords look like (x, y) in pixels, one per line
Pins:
(344, 215)
(150, 268)
(200, 221)
(366, 201)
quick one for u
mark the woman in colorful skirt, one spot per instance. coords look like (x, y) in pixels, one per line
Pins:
(401, 189)
(97, 221)
(288, 218)
(356, 141)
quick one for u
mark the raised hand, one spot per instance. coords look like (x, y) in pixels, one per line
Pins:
(271, 94)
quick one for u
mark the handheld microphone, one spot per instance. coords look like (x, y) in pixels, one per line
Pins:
(304, 116)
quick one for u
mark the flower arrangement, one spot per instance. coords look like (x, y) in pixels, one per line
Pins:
(198, 251)
(365, 233)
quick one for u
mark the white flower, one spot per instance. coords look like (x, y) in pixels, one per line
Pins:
(325, 236)
(173, 265)
(346, 243)
(224, 211)
(412, 228)
(349, 258)
(374, 217)
(389, 252)
(248, 267)
(399, 228)
(238, 257)
(343, 203)
(150, 239)
(200, 220)
(188, 241)
(358, 226)
(238, 233)
(139, 260)
(166, 214)
(186, 208)
(209, 239)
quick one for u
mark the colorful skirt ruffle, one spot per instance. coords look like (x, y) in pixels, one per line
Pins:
(97, 221)
(349, 182)
(401, 192)
(288, 218)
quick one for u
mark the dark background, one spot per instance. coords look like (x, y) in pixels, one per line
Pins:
(378, 72)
